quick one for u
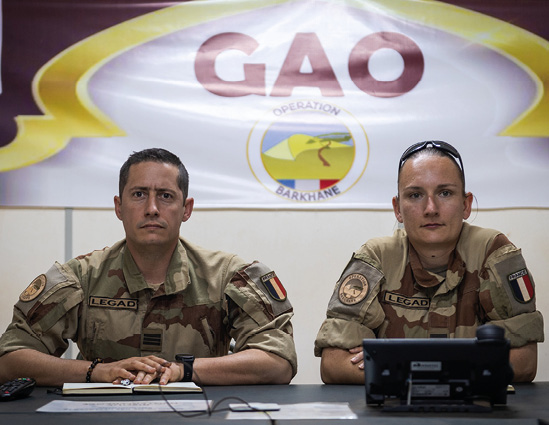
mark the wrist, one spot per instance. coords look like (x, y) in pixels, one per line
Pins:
(181, 371)
(186, 363)
(92, 367)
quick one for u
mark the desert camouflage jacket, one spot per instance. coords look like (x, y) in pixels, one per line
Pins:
(384, 292)
(102, 302)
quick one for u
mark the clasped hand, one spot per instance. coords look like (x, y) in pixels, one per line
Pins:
(139, 370)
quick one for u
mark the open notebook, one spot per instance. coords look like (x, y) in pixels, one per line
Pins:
(76, 388)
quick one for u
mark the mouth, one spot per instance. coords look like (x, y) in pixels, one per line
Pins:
(432, 225)
(151, 226)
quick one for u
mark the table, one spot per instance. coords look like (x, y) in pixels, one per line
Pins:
(530, 405)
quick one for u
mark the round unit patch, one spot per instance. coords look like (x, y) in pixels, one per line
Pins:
(308, 151)
(34, 289)
(353, 289)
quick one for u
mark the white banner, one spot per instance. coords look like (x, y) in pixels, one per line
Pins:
(288, 104)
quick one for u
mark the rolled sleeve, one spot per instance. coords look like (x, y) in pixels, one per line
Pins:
(341, 333)
(258, 319)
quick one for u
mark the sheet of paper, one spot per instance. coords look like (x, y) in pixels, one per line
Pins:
(65, 406)
(301, 411)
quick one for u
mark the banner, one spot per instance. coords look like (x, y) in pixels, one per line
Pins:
(272, 103)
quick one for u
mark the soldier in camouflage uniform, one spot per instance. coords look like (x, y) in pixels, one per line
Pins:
(152, 296)
(437, 278)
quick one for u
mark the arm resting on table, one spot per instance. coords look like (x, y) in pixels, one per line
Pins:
(49, 370)
(525, 362)
(250, 366)
(339, 366)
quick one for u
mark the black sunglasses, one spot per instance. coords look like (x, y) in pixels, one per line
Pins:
(447, 148)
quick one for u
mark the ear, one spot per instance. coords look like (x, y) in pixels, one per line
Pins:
(396, 209)
(189, 205)
(117, 207)
(467, 205)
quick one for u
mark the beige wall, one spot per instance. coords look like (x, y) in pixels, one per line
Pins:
(308, 250)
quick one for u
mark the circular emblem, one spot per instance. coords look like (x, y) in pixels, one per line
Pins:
(353, 289)
(307, 151)
(34, 289)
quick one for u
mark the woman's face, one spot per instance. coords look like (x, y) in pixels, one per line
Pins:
(431, 203)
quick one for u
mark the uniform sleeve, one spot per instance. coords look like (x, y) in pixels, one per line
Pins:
(46, 315)
(260, 313)
(508, 298)
(353, 311)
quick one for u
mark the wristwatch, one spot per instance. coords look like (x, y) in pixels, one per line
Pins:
(187, 360)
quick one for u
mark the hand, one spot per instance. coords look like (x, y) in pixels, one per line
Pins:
(358, 358)
(136, 369)
(170, 371)
(154, 368)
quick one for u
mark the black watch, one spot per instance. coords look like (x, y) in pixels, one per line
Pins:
(187, 360)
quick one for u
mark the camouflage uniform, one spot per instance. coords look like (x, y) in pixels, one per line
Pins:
(102, 302)
(384, 292)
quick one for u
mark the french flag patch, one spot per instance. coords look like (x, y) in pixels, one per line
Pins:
(522, 287)
(273, 285)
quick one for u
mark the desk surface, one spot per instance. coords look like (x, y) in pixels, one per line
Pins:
(530, 405)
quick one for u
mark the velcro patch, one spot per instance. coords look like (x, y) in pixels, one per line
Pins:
(41, 289)
(34, 289)
(420, 303)
(120, 303)
(353, 289)
(274, 286)
(151, 340)
(262, 277)
(522, 287)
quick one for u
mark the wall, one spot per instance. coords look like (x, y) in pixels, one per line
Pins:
(308, 250)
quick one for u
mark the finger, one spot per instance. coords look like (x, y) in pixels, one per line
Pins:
(149, 377)
(138, 364)
(165, 377)
(355, 350)
(358, 358)
(139, 377)
(157, 363)
(154, 361)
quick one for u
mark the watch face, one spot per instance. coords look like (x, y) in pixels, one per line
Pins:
(184, 358)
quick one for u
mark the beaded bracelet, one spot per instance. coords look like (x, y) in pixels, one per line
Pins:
(92, 366)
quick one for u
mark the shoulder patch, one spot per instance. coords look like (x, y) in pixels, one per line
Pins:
(356, 286)
(512, 275)
(353, 289)
(521, 284)
(35, 288)
(267, 282)
(274, 286)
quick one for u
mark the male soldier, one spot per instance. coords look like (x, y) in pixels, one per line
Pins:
(439, 277)
(134, 307)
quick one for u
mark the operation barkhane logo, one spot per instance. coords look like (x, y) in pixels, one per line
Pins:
(308, 151)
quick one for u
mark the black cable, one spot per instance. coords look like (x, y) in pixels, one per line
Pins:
(214, 407)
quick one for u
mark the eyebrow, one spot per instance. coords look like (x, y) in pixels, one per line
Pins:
(440, 186)
(148, 189)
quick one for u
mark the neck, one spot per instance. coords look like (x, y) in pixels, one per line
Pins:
(432, 257)
(152, 262)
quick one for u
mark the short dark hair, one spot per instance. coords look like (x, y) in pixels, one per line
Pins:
(433, 148)
(154, 155)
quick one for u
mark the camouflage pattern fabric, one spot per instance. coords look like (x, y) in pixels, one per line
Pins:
(384, 292)
(102, 302)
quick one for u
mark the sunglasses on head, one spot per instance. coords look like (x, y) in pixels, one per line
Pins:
(447, 148)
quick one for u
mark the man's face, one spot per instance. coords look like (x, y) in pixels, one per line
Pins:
(431, 203)
(152, 207)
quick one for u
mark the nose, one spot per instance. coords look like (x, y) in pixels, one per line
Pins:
(431, 207)
(151, 209)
